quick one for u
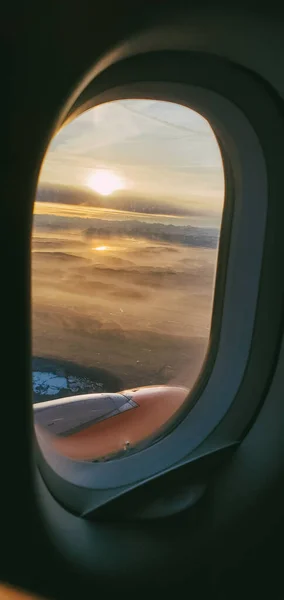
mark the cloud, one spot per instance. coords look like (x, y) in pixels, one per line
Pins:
(118, 201)
(60, 256)
(182, 235)
(138, 229)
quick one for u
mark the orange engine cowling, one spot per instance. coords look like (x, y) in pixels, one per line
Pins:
(96, 426)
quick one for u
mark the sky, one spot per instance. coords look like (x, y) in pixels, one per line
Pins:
(140, 148)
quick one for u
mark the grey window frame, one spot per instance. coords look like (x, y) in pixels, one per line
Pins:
(243, 152)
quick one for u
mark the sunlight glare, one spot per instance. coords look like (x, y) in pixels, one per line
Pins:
(101, 248)
(105, 182)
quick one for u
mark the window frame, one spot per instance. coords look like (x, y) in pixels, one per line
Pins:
(246, 191)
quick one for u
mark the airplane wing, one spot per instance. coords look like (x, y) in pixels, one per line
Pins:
(65, 416)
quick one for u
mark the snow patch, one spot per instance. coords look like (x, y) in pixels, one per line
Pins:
(47, 383)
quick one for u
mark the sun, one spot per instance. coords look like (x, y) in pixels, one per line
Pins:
(105, 182)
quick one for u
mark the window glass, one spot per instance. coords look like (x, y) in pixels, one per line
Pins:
(125, 238)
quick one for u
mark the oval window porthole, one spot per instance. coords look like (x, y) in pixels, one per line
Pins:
(125, 240)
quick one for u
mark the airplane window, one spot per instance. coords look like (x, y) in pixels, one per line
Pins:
(124, 249)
